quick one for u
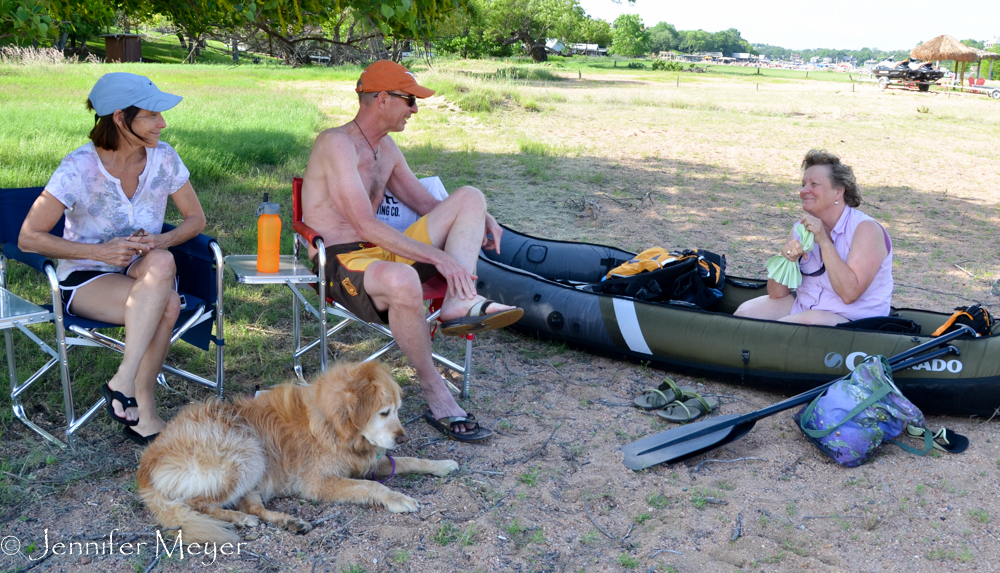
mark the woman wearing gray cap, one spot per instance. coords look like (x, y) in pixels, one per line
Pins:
(113, 263)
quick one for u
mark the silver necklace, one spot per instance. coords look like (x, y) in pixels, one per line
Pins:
(375, 151)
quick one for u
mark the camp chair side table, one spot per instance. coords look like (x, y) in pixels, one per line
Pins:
(291, 273)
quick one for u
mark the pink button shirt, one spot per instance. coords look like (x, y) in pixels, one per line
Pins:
(816, 293)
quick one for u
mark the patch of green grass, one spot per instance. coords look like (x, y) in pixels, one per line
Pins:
(530, 478)
(980, 515)
(445, 534)
(627, 561)
(941, 555)
(658, 500)
(353, 568)
(401, 556)
(700, 496)
(642, 518)
(590, 538)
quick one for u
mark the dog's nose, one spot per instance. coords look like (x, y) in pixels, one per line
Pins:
(401, 439)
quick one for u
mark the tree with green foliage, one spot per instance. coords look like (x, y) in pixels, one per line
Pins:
(629, 37)
(530, 22)
(25, 20)
(593, 31)
(663, 37)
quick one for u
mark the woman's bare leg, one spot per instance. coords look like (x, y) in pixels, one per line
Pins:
(766, 308)
(818, 317)
(145, 302)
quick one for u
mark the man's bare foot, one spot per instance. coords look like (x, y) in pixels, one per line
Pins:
(116, 385)
(455, 307)
(443, 405)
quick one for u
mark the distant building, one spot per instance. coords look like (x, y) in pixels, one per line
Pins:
(555, 45)
(587, 49)
(992, 43)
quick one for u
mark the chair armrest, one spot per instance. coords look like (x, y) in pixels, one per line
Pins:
(199, 246)
(33, 260)
(307, 232)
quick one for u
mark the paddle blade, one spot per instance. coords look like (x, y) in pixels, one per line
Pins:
(685, 441)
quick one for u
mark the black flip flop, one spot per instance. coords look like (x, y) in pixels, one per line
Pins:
(944, 439)
(478, 434)
(477, 320)
(125, 401)
(137, 438)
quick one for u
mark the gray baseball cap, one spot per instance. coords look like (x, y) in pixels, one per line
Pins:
(119, 90)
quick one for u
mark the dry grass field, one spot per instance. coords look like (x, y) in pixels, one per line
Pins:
(635, 160)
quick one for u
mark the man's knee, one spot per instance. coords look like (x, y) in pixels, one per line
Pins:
(471, 197)
(399, 282)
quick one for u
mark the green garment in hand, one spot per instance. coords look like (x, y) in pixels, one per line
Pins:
(787, 272)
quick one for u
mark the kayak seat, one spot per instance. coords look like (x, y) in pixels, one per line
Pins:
(893, 324)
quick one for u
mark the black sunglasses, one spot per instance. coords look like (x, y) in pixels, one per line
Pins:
(411, 99)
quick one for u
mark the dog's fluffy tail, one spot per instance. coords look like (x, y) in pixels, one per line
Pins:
(206, 459)
(190, 525)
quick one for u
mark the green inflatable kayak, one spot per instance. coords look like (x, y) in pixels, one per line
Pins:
(544, 278)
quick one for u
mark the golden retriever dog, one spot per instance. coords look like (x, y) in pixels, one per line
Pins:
(215, 465)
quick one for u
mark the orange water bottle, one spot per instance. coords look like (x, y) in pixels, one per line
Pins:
(268, 236)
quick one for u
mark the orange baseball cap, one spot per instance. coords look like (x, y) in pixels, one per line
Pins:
(386, 75)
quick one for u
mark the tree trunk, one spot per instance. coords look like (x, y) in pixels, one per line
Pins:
(538, 53)
(180, 36)
(236, 51)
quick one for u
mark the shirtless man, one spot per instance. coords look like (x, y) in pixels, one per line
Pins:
(376, 271)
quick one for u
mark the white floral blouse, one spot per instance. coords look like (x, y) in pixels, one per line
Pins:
(97, 209)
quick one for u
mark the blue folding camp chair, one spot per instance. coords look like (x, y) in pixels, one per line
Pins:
(199, 265)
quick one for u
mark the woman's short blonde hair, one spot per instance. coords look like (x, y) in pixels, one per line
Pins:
(841, 175)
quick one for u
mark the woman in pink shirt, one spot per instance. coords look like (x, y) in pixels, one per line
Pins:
(848, 273)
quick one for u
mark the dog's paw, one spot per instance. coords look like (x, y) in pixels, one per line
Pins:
(247, 521)
(399, 503)
(444, 467)
(296, 525)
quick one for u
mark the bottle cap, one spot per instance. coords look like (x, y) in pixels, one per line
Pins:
(268, 208)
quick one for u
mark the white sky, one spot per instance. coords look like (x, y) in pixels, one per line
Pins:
(799, 25)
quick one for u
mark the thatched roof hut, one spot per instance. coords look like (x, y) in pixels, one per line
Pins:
(987, 55)
(945, 47)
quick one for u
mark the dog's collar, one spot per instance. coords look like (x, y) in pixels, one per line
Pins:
(378, 457)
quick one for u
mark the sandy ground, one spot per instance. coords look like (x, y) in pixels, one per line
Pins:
(549, 491)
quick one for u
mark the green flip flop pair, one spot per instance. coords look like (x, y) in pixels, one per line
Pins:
(676, 403)
(689, 406)
(656, 398)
